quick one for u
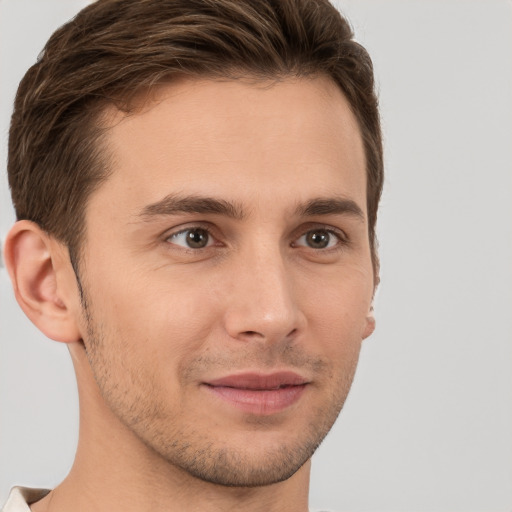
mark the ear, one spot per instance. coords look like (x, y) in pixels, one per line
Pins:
(40, 272)
(369, 326)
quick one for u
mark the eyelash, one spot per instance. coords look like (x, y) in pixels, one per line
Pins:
(206, 230)
(341, 238)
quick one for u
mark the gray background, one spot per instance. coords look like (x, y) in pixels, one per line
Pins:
(428, 424)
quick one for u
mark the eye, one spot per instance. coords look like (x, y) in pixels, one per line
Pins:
(192, 238)
(319, 239)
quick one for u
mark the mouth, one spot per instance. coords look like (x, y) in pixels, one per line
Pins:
(259, 394)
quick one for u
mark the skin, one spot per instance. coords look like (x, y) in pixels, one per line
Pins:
(161, 318)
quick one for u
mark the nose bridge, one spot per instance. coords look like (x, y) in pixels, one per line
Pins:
(262, 304)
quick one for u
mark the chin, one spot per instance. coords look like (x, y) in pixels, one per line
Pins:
(243, 470)
(249, 459)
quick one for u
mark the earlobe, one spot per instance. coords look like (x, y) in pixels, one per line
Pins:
(33, 261)
(369, 324)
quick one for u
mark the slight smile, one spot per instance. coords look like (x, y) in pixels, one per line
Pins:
(259, 394)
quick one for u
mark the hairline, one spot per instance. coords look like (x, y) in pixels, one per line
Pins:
(111, 111)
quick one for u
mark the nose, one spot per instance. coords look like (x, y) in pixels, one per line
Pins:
(262, 302)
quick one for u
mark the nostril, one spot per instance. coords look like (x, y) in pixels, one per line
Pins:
(252, 333)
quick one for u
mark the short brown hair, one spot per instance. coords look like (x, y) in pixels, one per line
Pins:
(114, 48)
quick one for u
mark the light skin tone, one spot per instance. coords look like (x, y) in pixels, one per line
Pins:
(229, 242)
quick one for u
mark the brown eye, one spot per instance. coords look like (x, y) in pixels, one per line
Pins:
(319, 239)
(193, 238)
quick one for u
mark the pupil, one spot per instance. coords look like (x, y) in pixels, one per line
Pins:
(318, 239)
(197, 238)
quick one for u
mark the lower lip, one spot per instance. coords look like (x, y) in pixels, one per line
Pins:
(259, 402)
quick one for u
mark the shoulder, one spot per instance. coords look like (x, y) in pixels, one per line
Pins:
(20, 498)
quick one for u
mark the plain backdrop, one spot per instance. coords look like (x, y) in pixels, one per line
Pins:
(428, 424)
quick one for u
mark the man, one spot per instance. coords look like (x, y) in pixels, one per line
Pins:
(196, 185)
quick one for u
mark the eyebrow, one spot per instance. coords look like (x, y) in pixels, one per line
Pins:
(174, 203)
(330, 206)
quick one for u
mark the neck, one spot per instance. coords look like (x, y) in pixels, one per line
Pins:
(113, 470)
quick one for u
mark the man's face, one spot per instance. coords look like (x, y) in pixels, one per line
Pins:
(228, 276)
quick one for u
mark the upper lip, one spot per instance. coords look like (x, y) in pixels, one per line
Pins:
(259, 381)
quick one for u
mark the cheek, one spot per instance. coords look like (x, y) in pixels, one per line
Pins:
(340, 306)
(141, 346)
(153, 318)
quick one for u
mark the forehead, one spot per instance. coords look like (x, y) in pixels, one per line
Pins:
(294, 137)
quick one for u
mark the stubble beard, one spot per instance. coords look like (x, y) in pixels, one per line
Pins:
(193, 451)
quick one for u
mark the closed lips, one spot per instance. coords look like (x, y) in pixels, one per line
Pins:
(259, 394)
(260, 382)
